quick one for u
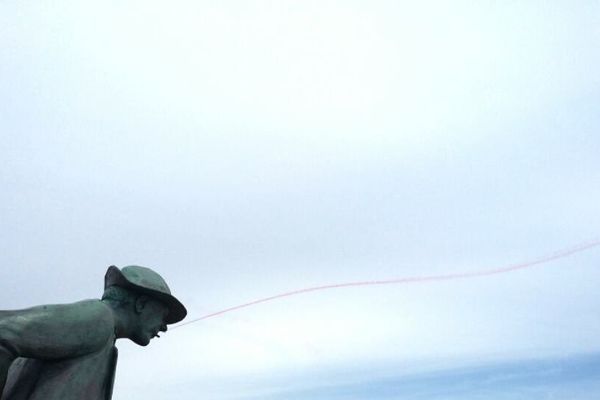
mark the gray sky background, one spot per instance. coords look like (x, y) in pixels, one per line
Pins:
(243, 149)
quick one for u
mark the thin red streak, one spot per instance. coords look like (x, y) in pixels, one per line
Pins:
(406, 280)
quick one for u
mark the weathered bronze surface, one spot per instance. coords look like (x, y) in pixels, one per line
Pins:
(67, 351)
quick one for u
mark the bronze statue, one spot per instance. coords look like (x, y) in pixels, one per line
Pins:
(67, 351)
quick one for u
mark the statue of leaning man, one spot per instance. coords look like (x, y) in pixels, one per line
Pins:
(67, 351)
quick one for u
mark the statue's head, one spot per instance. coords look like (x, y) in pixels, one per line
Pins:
(143, 299)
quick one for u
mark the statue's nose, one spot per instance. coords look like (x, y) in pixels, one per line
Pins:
(163, 328)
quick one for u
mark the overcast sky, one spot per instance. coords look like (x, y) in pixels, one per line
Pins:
(244, 149)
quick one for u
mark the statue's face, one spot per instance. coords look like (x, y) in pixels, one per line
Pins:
(150, 320)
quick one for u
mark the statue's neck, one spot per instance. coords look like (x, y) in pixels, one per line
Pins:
(122, 321)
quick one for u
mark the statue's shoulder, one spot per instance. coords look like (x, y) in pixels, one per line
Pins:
(58, 330)
(84, 312)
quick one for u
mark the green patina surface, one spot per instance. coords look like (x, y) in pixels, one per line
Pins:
(67, 351)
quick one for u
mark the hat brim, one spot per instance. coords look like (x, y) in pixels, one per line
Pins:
(177, 311)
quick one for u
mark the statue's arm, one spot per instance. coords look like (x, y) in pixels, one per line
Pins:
(6, 359)
(54, 332)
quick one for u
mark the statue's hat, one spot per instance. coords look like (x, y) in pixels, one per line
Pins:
(145, 280)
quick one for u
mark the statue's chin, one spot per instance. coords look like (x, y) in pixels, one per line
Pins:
(141, 341)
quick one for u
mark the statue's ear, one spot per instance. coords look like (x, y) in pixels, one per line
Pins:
(140, 303)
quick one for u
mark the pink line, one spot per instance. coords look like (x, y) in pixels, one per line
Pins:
(415, 279)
